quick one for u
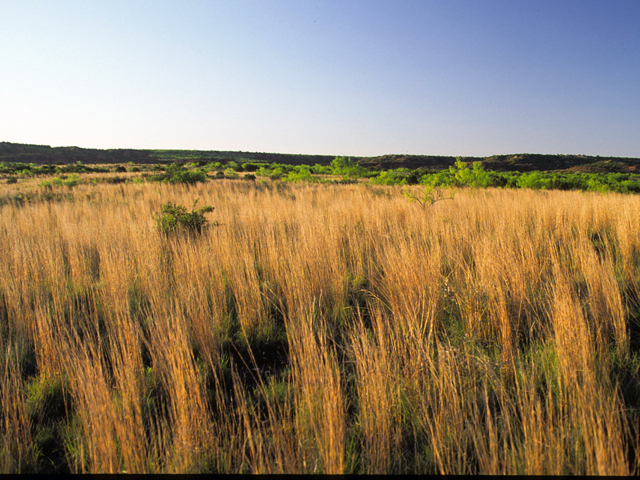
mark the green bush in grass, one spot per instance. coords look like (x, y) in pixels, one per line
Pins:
(173, 218)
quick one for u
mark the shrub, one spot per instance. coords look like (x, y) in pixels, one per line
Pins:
(180, 174)
(231, 173)
(440, 179)
(176, 173)
(389, 177)
(72, 181)
(233, 166)
(595, 185)
(318, 169)
(347, 168)
(173, 218)
(426, 197)
(534, 180)
(464, 176)
(300, 174)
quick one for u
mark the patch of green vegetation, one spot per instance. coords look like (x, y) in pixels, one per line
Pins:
(173, 218)
(48, 405)
(347, 169)
(231, 173)
(533, 171)
(32, 169)
(301, 174)
(178, 173)
(72, 181)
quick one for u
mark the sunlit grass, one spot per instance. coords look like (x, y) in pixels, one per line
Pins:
(318, 329)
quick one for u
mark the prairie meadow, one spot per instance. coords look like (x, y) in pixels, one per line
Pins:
(319, 329)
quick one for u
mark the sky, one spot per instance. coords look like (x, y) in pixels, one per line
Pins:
(332, 77)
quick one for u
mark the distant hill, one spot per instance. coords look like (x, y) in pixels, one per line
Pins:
(522, 162)
(44, 154)
(528, 162)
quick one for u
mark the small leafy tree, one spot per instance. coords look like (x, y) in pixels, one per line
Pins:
(463, 175)
(173, 218)
(231, 173)
(347, 168)
(426, 196)
(301, 173)
(72, 181)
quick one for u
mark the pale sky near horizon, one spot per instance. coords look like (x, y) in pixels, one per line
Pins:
(360, 78)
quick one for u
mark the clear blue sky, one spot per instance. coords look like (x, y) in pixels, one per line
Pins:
(361, 78)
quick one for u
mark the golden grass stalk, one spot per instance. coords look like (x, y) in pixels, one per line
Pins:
(16, 450)
(379, 416)
(320, 419)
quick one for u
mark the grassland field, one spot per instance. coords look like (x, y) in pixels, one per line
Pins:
(327, 327)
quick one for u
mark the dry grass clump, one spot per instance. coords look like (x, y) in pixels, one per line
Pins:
(320, 329)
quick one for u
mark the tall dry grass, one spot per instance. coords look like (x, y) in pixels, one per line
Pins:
(320, 329)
